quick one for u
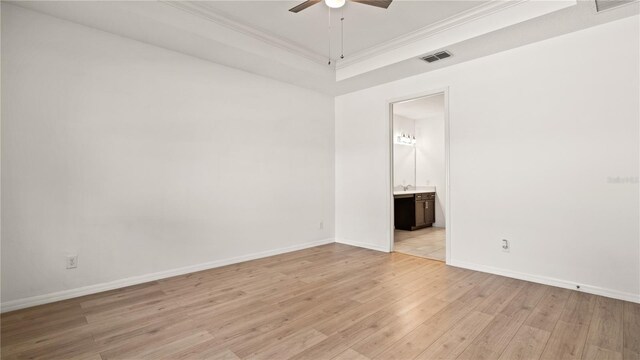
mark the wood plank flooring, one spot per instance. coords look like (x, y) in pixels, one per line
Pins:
(329, 302)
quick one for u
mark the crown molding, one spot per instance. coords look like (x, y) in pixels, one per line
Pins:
(467, 16)
(197, 9)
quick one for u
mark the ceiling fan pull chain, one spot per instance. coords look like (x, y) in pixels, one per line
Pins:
(329, 35)
(342, 34)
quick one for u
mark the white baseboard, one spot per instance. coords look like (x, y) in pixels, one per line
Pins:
(362, 245)
(92, 289)
(615, 294)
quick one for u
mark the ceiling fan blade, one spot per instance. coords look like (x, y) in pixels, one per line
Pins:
(379, 3)
(304, 5)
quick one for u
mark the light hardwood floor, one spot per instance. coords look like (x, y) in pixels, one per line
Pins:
(329, 302)
(427, 243)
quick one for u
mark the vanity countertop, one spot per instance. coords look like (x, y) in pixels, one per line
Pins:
(422, 189)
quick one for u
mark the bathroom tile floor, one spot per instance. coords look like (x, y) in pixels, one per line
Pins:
(427, 243)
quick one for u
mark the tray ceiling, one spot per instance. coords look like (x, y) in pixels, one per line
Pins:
(364, 26)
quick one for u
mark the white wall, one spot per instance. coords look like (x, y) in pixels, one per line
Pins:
(404, 156)
(143, 160)
(535, 141)
(430, 160)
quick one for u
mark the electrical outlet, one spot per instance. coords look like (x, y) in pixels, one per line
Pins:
(321, 225)
(72, 261)
(505, 245)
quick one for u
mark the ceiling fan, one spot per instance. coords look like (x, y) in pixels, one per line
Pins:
(340, 3)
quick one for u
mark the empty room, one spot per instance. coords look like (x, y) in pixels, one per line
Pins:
(320, 179)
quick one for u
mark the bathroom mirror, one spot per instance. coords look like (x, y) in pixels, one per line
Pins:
(404, 152)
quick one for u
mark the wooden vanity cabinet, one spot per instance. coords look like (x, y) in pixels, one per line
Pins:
(414, 211)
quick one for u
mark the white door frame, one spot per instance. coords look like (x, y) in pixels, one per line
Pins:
(390, 203)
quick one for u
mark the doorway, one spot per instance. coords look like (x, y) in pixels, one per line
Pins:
(420, 186)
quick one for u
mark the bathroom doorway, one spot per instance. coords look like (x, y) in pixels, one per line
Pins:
(419, 148)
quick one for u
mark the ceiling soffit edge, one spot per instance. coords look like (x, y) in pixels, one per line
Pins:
(473, 14)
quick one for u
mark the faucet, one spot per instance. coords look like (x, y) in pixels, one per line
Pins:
(406, 187)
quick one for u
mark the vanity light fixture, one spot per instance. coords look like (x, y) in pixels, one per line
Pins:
(406, 139)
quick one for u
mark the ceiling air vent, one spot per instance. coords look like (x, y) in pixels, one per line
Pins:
(437, 56)
(442, 55)
(603, 5)
(430, 58)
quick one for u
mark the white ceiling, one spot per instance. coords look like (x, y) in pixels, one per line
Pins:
(364, 26)
(420, 108)
(198, 29)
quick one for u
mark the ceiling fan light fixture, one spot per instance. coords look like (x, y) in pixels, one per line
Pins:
(335, 3)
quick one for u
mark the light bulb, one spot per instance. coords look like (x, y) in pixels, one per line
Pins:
(335, 3)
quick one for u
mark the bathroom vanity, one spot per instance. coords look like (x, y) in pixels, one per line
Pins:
(414, 209)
